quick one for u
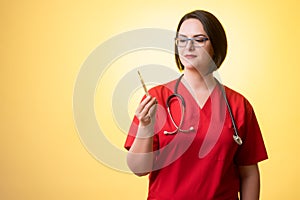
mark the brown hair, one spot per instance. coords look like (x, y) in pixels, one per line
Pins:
(215, 32)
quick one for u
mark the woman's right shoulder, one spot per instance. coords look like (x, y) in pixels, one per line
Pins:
(160, 89)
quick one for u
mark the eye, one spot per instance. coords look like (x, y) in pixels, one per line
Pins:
(200, 39)
(181, 39)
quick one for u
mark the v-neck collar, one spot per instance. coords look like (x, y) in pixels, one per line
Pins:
(189, 92)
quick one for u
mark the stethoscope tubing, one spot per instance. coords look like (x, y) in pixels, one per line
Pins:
(236, 137)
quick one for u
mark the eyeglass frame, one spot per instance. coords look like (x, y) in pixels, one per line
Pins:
(193, 40)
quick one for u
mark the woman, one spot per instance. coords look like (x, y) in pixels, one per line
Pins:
(195, 157)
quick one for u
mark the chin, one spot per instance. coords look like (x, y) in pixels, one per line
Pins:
(199, 69)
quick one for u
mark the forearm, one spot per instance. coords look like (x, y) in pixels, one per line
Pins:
(250, 182)
(140, 156)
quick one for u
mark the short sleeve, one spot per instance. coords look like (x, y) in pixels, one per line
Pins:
(131, 133)
(253, 149)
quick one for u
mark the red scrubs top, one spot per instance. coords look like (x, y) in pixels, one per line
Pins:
(202, 164)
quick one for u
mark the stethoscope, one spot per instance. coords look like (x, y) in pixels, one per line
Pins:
(178, 128)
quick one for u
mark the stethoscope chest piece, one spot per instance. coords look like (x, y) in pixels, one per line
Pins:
(237, 139)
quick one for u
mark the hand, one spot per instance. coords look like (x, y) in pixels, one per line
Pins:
(146, 111)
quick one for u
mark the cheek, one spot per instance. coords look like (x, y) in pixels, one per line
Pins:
(180, 51)
(184, 61)
(181, 57)
(209, 50)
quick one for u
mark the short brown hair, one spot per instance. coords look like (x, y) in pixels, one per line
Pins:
(215, 32)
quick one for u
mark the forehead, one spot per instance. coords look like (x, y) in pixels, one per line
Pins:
(191, 27)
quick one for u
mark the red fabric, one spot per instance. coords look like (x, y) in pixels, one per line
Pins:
(201, 164)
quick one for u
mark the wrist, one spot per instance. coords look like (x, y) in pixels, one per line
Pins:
(145, 131)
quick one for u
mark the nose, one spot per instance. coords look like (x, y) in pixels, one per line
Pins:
(190, 45)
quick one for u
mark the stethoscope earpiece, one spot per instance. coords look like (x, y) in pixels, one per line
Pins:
(169, 132)
(191, 129)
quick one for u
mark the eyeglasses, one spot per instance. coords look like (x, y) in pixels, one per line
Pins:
(196, 41)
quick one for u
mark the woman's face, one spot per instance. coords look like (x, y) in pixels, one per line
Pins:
(197, 53)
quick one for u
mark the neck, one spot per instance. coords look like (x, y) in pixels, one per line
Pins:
(198, 82)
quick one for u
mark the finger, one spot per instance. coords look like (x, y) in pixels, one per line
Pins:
(143, 103)
(153, 109)
(144, 114)
(146, 119)
(145, 111)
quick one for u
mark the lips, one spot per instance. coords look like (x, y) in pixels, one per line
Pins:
(190, 56)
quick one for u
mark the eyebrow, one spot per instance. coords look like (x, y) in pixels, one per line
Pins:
(197, 35)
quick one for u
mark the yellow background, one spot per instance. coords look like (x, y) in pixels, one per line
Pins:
(43, 45)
